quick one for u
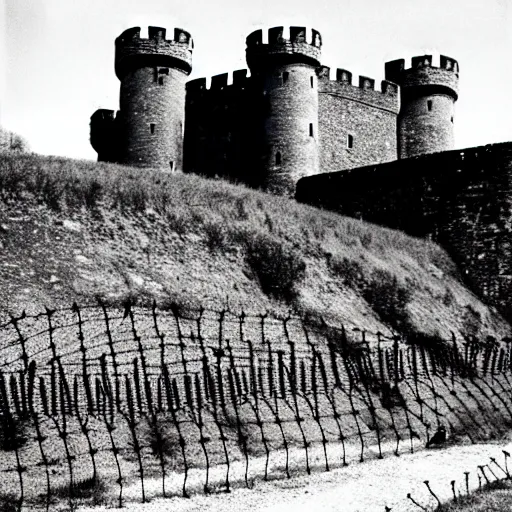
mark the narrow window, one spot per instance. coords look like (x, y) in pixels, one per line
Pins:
(161, 80)
(286, 75)
(278, 158)
(452, 119)
(311, 129)
(152, 128)
(312, 82)
(429, 105)
(171, 163)
(350, 141)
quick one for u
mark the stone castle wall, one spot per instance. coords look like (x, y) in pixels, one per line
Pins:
(460, 199)
(222, 124)
(286, 121)
(219, 140)
(367, 115)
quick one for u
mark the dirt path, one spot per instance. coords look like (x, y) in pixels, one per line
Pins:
(367, 487)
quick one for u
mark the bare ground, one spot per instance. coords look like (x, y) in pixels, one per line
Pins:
(368, 486)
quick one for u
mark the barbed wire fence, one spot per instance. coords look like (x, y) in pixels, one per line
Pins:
(95, 398)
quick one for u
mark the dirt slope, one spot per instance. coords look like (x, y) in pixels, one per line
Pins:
(74, 230)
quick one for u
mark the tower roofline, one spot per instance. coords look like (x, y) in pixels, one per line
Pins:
(423, 76)
(134, 51)
(302, 45)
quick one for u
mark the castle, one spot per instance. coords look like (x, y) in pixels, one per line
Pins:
(285, 121)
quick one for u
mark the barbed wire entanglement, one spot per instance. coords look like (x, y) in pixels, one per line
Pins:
(110, 405)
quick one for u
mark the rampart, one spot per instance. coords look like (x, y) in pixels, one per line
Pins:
(350, 117)
(461, 199)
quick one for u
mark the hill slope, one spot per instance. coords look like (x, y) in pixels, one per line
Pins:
(74, 230)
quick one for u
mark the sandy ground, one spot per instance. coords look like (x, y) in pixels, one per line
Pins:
(368, 486)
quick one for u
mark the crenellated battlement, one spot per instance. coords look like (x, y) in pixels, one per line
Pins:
(299, 45)
(284, 117)
(132, 51)
(364, 90)
(422, 73)
(220, 82)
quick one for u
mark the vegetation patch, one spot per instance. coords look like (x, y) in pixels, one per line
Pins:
(493, 497)
(278, 266)
(84, 229)
(13, 433)
(381, 290)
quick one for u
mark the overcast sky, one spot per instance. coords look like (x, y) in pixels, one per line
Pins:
(58, 55)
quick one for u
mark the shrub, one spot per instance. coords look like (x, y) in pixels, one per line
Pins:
(350, 271)
(448, 298)
(177, 222)
(366, 239)
(92, 194)
(277, 265)
(50, 191)
(161, 437)
(236, 425)
(9, 502)
(217, 236)
(241, 211)
(13, 433)
(388, 299)
(10, 141)
(88, 490)
(472, 322)
(439, 348)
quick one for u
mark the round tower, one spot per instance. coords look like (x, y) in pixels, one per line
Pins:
(428, 96)
(153, 73)
(284, 74)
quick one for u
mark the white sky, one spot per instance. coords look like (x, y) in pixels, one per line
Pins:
(58, 61)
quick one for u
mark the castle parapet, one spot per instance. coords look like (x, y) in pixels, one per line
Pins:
(220, 82)
(133, 51)
(443, 78)
(302, 45)
(364, 91)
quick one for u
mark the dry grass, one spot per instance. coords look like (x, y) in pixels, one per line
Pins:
(193, 202)
(284, 252)
(495, 497)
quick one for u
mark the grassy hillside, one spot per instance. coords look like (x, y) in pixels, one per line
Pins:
(74, 230)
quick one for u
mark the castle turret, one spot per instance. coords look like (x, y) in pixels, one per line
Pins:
(284, 74)
(104, 135)
(428, 95)
(153, 73)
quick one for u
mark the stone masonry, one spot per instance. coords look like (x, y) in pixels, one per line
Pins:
(461, 199)
(285, 121)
